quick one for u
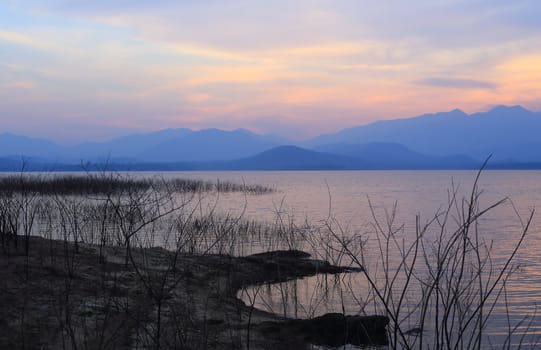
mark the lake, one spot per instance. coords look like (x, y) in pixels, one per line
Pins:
(406, 229)
(349, 203)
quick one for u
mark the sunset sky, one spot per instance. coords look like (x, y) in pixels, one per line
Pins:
(90, 70)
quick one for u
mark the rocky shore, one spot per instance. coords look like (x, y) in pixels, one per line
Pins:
(66, 296)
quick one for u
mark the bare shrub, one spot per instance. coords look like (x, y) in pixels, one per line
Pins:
(440, 287)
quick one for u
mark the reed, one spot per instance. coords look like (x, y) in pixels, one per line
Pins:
(103, 183)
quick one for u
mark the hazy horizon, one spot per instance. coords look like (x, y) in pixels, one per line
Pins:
(77, 71)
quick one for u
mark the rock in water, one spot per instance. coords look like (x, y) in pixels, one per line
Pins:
(335, 329)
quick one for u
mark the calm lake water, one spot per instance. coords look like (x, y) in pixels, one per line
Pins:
(325, 208)
(349, 203)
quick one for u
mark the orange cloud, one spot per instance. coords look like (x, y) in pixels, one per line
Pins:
(521, 78)
(237, 74)
(523, 66)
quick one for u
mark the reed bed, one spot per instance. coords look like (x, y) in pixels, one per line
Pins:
(93, 184)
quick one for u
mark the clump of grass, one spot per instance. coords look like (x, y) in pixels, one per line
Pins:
(194, 185)
(94, 184)
(70, 184)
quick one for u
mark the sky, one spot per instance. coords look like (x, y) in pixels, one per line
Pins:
(90, 70)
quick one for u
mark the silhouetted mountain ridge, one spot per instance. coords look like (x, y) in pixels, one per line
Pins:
(444, 140)
(291, 157)
(208, 145)
(124, 147)
(504, 132)
(23, 146)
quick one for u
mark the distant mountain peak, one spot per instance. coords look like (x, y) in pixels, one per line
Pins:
(503, 112)
(455, 113)
(286, 148)
(504, 108)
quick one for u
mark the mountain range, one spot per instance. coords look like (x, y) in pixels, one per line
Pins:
(447, 140)
(508, 133)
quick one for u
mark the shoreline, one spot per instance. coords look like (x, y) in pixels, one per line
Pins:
(61, 295)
